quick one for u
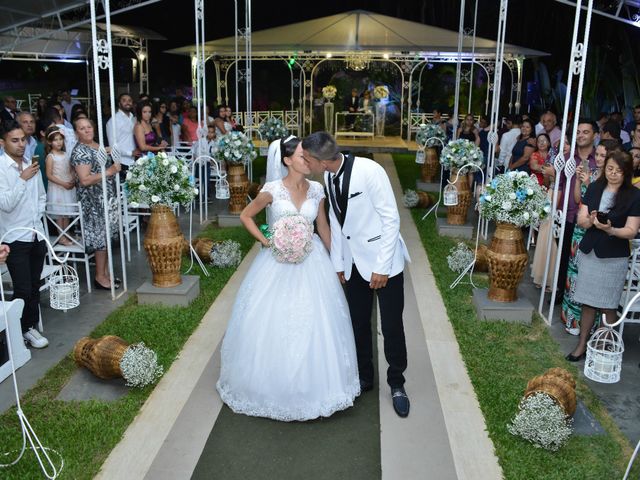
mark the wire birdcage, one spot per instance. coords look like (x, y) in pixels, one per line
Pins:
(64, 288)
(604, 356)
(222, 188)
(420, 156)
(450, 195)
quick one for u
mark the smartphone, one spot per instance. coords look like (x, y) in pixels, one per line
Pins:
(585, 166)
(603, 217)
(35, 159)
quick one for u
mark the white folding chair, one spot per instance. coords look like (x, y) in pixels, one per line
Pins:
(632, 285)
(130, 222)
(21, 353)
(76, 250)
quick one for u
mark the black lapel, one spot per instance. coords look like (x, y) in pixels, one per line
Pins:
(332, 199)
(346, 179)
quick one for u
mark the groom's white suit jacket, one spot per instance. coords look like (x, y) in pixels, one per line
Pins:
(369, 234)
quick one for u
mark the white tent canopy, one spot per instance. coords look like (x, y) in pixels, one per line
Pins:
(357, 30)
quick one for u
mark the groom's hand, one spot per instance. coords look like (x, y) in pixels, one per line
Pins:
(341, 277)
(378, 281)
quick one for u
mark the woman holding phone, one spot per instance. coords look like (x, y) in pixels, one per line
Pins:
(610, 214)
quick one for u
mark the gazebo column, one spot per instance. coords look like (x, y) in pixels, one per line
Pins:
(518, 85)
(309, 66)
(216, 68)
(489, 67)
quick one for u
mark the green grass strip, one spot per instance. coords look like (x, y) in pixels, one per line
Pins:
(500, 358)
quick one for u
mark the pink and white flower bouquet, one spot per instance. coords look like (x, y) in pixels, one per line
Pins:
(291, 239)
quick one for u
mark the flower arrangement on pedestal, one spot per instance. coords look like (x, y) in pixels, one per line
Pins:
(513, 200)
(458, 153)
(380, 92)
(161, 182)
(329, 92)
(236, 148)
(430, 135)
(272, 128)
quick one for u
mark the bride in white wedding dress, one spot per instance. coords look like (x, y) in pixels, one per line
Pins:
(289, 352)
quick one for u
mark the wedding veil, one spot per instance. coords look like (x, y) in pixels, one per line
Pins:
(276, 170)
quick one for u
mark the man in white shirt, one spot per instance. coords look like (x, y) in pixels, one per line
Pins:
(508, 141)
(28, 124)
(22, 203)
(124, 139)
(68, 103)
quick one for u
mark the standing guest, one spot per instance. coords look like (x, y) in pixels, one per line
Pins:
(235, 126)
(22, 204)
(4, 253)
(10, 109)
(174, 109)
(65, 121)
(468, 130)
(53, 117)
(603, 117)
(161, 121)
(585, 151)
(146, 138)
(221, 122)
(483, 133)
(549, 123)
(635, 157)
(437, 116)
(179, 98)
(508, 140)
(631, 126)
(62, 188)
(41, 106)
(190, 126)
(84, 160)
(28, 124)
(523, 148)
(610, 212)
(540, 156)
(351, 104)
(67, 103)
(619, 119)
(635, 139)
(124, 123)
(610, 131)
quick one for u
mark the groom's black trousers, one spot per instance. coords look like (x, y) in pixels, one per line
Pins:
(391, 301)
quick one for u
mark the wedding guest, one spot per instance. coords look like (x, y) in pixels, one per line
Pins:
(540, 156)
(68, 103)
(508, 140)
(10, 109)
(4, 253)
(22, 204)
(523, 148)
(28, 124)
(468, 130)
(160, 121)
(146, 138)
(635, 139)
(351, 105)
(235, 126)
(631, 126)
(619, 119)
(635, 157)
(190, 126)
(222, 124)
(84, 160)
(604, 249)
(65, 121)
(124, 140)
(549, 123)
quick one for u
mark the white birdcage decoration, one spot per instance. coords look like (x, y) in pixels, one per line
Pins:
(450, 195)
(604, 356)
(64, 288)
(420, 156)
(222, 188)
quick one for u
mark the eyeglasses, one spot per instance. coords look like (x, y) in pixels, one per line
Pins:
(614, 171)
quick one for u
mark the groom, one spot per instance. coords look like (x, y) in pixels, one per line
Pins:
(368, 254)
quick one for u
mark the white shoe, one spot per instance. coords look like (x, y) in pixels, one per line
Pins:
(35, 339)
(572, 331)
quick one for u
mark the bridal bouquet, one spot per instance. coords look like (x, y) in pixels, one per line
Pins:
(235, 148)
(514, 198)
(380, 92)
(291, 239)
(329, 92)
(272, 129)
(458, 153)
(431, 135)
(159, 180)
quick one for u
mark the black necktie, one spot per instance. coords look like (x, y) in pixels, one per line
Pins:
(336, 188)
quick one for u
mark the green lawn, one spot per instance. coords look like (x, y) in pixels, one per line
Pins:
(85, 432)
(500, 358)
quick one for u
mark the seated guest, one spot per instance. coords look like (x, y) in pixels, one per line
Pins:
(610, 212)
(22, 204)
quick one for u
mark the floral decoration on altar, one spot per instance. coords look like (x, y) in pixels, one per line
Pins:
(159, 180)
(515, 198)
(458, 153)
(431, 135)
(272, 128)
(329, 92)
(380, 92)
(236, 148)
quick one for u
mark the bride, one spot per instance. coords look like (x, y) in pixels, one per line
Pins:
(289, 352)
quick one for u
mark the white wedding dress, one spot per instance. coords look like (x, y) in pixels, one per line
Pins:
(289, 352)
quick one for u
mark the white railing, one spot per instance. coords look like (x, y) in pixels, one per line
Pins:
(416, 119)
(290, 118)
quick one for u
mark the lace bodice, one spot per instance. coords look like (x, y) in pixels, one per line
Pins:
(282, 204)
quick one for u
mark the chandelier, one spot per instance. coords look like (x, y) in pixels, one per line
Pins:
(358, 61)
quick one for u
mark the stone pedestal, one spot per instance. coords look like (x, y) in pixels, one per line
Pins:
(181, 295)
(519, 311)
(229, 220)
(459, 231)
(427, 187)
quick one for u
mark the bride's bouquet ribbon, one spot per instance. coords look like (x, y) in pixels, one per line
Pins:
(291, 240)
(265, 230)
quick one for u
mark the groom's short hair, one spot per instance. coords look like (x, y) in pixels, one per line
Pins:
(322, 146)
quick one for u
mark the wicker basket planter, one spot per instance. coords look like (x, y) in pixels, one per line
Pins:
(559, 385)
(431, 166)
(424, 200)
(238, 188)
(101, 356)
(203, 247)
(507, 258)
(163, 243)
(457, 214)
(482, 262)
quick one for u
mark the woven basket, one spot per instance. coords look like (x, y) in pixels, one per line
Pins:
(557, 387)
(254, 189)
(101, 356)
(457, 214)
(424, 200)
(482, 262)
(164, 245)
(507, 260)
(562, 373)
(431, 166)
(203, 248)
(238, 188)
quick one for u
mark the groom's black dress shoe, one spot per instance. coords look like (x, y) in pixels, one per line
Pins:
(400, 401)
(365, 386)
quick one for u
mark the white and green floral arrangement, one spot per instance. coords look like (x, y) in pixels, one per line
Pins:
(410, 198)
(272, 128)
(460, 257)
(159, 180)
(541, 421)
(329, 92)
(380, 92)
(515, 198)
(226, 254)
(460, 152)
(139, 366)
(236, 148)
(431, 135)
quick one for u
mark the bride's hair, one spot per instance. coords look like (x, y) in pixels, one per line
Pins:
(288, 146)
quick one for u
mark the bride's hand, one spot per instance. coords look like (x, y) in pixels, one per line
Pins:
(341, 277)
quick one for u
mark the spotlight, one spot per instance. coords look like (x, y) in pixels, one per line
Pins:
(329, 55)
(385, 56)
